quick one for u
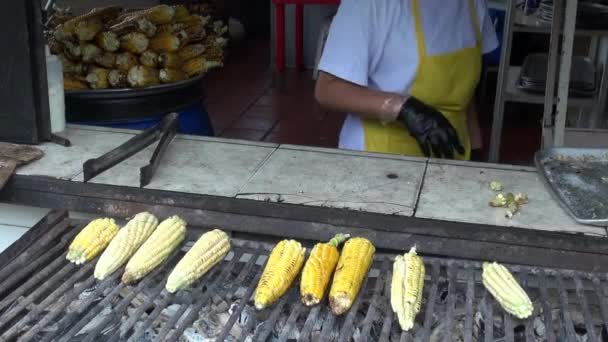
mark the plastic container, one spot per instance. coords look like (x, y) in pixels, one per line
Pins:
(54, 75)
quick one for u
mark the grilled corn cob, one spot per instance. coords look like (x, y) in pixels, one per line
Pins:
(86, 30)
(140, 76)
(125, 61)
(209, 250)
(72, 51)
(98, 78)
(318, 270)
(191, 51)
(72, 83)
(91, 240)
(181, 13)
(407, 288)
(282, 267)
(161, 14)
(198, 65)
(169, 60)
(101, 14)
(89, 53)
(149, 59)
(134, 42)
(146, 27)
(166, 237)
(70, 67)
(117, 78)
(125, 244)
(353, 265)
(502, 285)
(171, 28)
(167, 75)
(107, 41)
(165, 42)
(106, 60)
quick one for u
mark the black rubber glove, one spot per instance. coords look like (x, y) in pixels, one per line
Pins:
(430, 128)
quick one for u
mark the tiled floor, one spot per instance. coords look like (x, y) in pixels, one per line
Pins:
(243, 104)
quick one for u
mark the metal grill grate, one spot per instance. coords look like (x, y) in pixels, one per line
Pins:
(44, 298)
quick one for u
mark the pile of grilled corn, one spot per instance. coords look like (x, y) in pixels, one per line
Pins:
(112, 47)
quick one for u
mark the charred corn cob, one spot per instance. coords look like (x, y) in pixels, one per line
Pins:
(165, 42)
(353, 265)
(169, 60)
(72, 51)
(181, 13)
(282, 268)
(107, 41)
(195, 32)
(407, 288)
(141, 76)
(171, 28)
(167, 75)
(125, 243)
(92, 240)
(70, 67)
(199, 65)
(117, 78)
(89, 53)
(191, 51)
(504, 288)
(209, 250)
(72, 83)
(134, 42)
(63, 33)
(106, 60)
(166, 237)
(146, 27)
(149, 59)
(98, 78)
(161, 14)
(86, 30)
(318, 270)
(125, 61)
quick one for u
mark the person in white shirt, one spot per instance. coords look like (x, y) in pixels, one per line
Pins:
(406, 72)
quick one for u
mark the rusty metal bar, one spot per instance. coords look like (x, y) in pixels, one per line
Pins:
(567, 319)
(266, 329)
(328, 326)
(488, 316)
(544, 295)
(509, 332)
(308, 324)
(291, 321)
(449, 319)
(348, 325)
(529, 324)
(430, 304)
(387, 323)
(582, 299)
(468, 307)
(374, 305)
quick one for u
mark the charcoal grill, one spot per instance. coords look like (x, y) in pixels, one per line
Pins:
(45, 298)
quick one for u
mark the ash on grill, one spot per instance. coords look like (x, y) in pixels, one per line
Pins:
(45, 298)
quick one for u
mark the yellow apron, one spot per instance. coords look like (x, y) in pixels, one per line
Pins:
(445, 82)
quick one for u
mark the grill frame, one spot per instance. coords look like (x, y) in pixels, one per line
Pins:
(50, 276)
(268, 219)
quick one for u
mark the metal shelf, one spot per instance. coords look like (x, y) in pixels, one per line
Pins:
(528, 24)
(513, 94)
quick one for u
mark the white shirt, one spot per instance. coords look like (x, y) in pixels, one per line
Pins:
(372, 43)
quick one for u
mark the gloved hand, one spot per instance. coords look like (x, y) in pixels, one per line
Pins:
(430, 128)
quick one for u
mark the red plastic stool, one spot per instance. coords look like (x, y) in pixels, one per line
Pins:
(279, 6)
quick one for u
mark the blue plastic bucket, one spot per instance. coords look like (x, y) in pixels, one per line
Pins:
(193, 120)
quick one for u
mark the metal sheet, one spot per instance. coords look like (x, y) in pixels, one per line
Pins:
(578, 178)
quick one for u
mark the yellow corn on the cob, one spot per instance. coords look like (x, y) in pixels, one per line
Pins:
(169, 60)
(125, 61)
(199, 65)
(86, 30)
(141, 76)
(161, 14)
(70, 67)
(181, 13)
(146, 27)
(353, 265)
(167, 75)
(149, 59)
(282, 268)
(73, 83)
(191, 51)
(407, 288)
(171, 28)
(165, 42)
(72, 51)
(101, 13)
(134, 42)
(125, 244)
(106, 60)
(107, 41)
(502, 285)
(209, 250)
(318, 270)
(166, 237)
(91, 240)
(117, 78)
(98, 78)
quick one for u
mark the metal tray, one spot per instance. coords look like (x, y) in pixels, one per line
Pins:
(578, 178)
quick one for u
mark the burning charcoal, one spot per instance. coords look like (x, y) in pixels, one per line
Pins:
(190, 335)
(95, 321)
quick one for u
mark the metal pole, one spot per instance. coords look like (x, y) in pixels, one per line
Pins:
(556, 27)
(564, 72)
